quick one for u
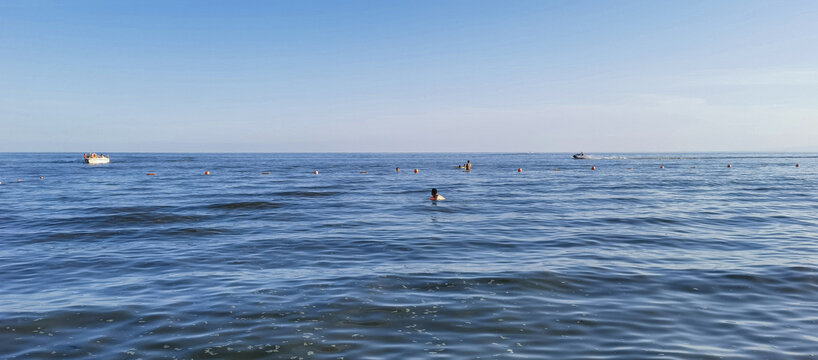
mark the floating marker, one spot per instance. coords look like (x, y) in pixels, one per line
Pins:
(416, 171)
(265, 173)
(729, 166)
(207, 172)
(593, 167)
(151, 174)
(662, 167)
(797, 165)
(364, 172)
(519, 169)
(315, 172)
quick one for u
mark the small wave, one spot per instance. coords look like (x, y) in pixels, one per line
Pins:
(246, 205)
(117, 220)
(307, 193)
(129, 209)
(643, 220)
(400, 192)
(80, 235)
(158, 218)
(197, 231)
(184, 159)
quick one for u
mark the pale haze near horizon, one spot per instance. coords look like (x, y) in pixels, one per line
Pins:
(381, 76)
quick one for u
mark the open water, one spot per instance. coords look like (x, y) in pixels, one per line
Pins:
(631, 261)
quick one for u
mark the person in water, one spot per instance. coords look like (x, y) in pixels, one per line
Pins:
(468, 165)
(436, 196)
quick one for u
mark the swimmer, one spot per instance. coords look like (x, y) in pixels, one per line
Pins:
(468, 165)
(397, 169)
(436, 196)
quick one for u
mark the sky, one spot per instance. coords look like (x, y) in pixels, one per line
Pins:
(408, 76)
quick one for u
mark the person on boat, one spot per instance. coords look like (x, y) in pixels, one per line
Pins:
(94, 155)
(436, 196)
(468, 165)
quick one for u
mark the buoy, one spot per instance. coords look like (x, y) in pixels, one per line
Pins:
(207, 172)
(364, 172)
(265, 173)
(519, 169)
(315, 172)
(662, 167)
(416, 171)
(151, 174)
(797, 165)
(729, 166)
(593, 167)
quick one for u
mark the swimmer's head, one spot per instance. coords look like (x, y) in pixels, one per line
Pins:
(434, 192)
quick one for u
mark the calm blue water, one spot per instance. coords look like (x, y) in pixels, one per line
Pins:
(626, 262)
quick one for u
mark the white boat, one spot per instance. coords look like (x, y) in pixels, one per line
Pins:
(580, 156)
(95, 159)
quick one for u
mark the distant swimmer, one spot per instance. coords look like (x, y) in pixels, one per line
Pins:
(436, 196)
(397, 169)
(468, 165)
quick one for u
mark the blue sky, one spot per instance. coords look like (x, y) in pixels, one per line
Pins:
(280, 76)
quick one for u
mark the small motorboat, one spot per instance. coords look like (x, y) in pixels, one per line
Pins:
(95, 159)
(580, 156)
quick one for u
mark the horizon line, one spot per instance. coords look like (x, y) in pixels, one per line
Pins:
(412, 152)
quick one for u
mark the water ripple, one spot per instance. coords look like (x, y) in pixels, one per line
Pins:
(264, 259)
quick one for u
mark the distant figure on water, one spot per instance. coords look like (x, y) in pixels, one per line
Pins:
(397, 169)
(468, 165)
(436, 196)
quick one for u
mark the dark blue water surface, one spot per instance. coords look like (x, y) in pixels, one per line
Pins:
(631, 261)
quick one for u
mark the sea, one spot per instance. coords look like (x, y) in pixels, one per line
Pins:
(531, 256)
